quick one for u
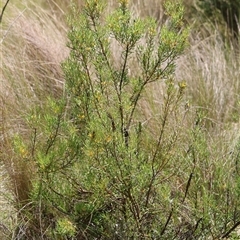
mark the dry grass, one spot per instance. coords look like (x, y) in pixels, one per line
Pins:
(33, 44)
(212, 72)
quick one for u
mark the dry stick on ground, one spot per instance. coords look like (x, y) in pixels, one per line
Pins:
(3, 10)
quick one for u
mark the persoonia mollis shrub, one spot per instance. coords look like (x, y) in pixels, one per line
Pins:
(101, 169)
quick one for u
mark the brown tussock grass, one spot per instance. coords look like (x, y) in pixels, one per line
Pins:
(33, 45)
(32, 50)
(211, 70)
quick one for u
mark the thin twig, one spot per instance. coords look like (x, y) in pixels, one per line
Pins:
(187, 187)
(3, 10)
(225, 235)
(5, 34)
(167, 222)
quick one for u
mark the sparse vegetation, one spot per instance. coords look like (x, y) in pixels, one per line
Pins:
(113, 126)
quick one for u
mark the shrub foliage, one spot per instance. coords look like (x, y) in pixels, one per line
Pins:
(99, 168)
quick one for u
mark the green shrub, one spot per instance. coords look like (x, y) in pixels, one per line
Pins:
(118, 164)
(103, 169)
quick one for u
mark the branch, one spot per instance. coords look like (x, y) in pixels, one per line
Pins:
(167, 222)
(187, 187)
(3, 10)
(225, 235)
